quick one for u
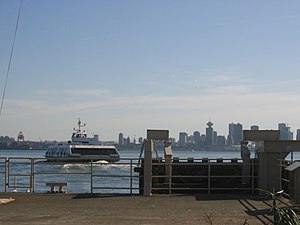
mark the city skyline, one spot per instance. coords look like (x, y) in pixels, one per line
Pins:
(235, 131)
(233, 136)
(135, 65)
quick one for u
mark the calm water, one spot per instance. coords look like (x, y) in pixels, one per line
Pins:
(106, 176)
(132, 154)
(136, 153)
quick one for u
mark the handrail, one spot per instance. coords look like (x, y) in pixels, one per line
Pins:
(3, 171)
(206, 176)
(96, 176)
(284, 178)
(31, 174)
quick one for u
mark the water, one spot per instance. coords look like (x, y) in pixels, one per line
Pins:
(118, 177)
(132, 154)
(136, 153)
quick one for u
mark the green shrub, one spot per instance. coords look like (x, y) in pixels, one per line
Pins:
(282, 215)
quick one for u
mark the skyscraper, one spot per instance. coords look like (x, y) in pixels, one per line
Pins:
(197, 137)
(285, 132)
(235, 133)
(183, 136)
(121, 139)
(298, 135)
(209, 133)
(221, 140)
(254, 127)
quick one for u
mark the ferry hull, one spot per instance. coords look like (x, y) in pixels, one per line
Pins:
(84, 159)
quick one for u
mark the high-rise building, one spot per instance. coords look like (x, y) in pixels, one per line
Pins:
(235, 133)
(215, 135)
(203, 139)
(197, 137)
(183, 137)
(254, 127)
(298, 135)
(229, 140)
(121, 139)
(285, 132)
(127, 141)
(209, 133)
(190, 139)
(221, 140)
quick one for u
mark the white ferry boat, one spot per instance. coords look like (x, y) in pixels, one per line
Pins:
(82, 148)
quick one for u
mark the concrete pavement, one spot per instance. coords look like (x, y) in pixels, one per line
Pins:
(72, 209)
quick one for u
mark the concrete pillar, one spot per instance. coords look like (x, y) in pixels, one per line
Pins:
(269, 171)
(168, 167)
(270, 151)
(148, 167)
(294, 185)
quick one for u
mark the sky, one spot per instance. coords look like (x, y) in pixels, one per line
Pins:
(132, 65)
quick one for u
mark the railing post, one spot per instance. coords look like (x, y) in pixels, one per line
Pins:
(32, 176)
(209, 174)
(170, 175)
(168, 167)
(148, 167)
(91, 176)
(6, 174)
(130, 176)
(15, 183)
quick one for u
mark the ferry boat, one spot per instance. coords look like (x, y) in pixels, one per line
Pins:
(82, 149)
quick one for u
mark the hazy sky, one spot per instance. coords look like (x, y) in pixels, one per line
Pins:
(128, 65)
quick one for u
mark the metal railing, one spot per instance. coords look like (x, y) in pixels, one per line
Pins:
(205, 176)
(3, 172)
(32, 174)
(285, 176)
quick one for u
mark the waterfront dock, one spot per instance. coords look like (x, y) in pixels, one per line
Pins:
(42, 208)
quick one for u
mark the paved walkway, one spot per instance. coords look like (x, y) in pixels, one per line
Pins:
(39, 209)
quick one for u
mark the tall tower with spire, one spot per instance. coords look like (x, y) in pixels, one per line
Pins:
(209, 133)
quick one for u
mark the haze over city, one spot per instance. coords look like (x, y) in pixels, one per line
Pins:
(126, 66)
